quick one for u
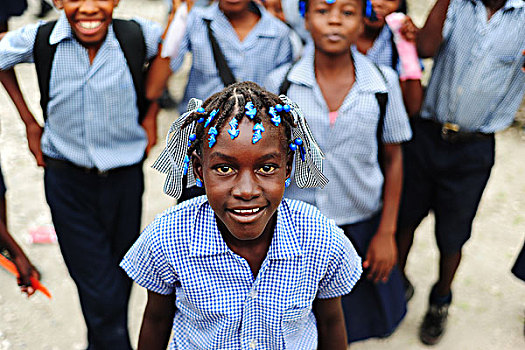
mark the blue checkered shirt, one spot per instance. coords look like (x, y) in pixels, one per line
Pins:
(350, 145)
(381, 51)
(477, 80)
(92, 110)
(220, 305)
(265, 48)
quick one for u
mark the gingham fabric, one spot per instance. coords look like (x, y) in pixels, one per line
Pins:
(477, 80)
(265, 48)
(309, 165)
(93, 116)
(381, 51)
(220, 304)
(350, 145)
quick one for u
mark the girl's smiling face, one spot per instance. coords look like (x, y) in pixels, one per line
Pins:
(382, 8)
(244, 182)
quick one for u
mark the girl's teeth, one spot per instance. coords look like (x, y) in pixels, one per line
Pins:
(90, 24)
(246, 211)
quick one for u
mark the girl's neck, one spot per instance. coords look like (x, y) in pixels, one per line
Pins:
(242, 22)
(333, 64)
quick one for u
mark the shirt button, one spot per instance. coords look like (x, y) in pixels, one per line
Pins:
(253, 294)
(460, 91)
(253, 344)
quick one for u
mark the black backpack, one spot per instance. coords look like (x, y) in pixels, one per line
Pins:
(131, 39)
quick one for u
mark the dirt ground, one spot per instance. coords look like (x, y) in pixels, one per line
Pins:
(489, 303)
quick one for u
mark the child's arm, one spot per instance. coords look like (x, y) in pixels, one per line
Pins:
(431, 35)
(160, 69)
(412, 96)
(157, 321)
(150, 125)
(330, 324)
(382, 252)
(22, 263)
(33, 129)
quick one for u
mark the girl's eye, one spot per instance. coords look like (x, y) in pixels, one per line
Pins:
(224, 170)
(322, 11)
(267, 169)
(348, 13)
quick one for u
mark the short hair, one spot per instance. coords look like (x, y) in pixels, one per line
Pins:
(232, 100)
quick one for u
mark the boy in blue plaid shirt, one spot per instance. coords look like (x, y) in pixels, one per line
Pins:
(241, 268)
(92, 145)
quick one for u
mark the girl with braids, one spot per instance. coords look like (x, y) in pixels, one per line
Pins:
(241, 267)
(356, 113)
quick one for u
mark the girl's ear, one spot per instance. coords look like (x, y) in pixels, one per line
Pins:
(58, 4)
(197, 166)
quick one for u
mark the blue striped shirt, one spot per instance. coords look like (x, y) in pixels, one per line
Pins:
(220, 305)
(350, 145)
(477, 80)
(92, 110)
(381, 51)
(265, 48)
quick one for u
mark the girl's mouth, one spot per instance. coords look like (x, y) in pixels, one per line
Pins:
(246, 216)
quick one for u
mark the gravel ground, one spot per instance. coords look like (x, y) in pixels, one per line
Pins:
(489, 304)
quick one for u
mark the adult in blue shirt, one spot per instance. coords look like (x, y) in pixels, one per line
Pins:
(476, 87)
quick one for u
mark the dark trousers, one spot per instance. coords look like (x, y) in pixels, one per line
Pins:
(97, 219)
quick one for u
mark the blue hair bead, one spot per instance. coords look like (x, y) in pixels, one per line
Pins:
(200, 110)
(186, 165)
(287, 182)
(210, 117)
(303, 152)
(298, 141)
(211, 140)
(302, 8)
(276, 119)
(293, 146)
(329, 2)
(251, 111)
(258, 129)
(234, 132)
(278, 108)
(286, 108)
(193, 137)
(199, 183)
(201, 119)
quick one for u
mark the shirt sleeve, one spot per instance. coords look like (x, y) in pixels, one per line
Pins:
(147, 265)
(152, 33)
(344, 268)
(397, 127)
(17, 46)
(452, 10)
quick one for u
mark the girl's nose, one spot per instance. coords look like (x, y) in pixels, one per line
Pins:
(246, 186)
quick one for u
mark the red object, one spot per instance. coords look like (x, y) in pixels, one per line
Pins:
(10, 266)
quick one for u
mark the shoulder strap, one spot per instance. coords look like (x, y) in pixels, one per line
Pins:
(382, 101)
(131, 39)
(43, 55)
(224, 70)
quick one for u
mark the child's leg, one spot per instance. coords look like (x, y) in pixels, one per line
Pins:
(81, 208)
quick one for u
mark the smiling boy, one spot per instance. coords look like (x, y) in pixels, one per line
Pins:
(92, 145)
(241, 268)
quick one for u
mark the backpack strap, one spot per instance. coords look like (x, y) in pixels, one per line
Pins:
(395, 53)
(224, 70)
(43, 55)
(382, 101)
(131, 39)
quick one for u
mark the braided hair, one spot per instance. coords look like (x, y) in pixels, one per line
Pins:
(230, 102)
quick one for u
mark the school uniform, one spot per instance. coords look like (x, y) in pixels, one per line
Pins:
(475, 90)
(93, 145)
(353, 196)
(220, 304)
(265, 48)
(383, 50)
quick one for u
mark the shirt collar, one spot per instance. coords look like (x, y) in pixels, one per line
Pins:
(62, 31)
(208, 240)
(509, 4)
(264, 27)
(367, 76)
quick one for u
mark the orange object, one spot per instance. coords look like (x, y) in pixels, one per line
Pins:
(10, 266)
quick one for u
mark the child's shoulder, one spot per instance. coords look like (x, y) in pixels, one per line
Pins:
(380, 75)
(312, 225)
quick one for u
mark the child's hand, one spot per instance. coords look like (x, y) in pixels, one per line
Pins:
(26, 270)
(381, 256)
(409, 30)
(34, 135)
